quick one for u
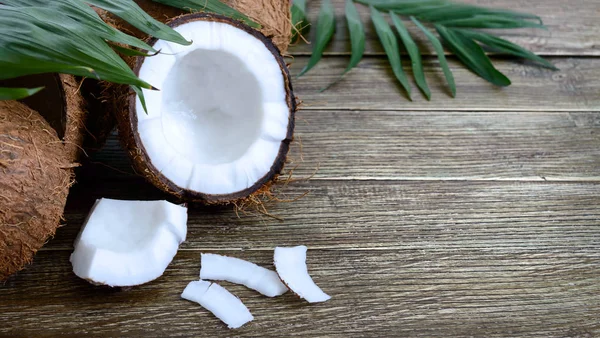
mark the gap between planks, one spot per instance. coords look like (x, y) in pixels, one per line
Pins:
(317, 247)
(417, 109)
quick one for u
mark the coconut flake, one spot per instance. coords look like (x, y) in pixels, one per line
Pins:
(222, 303)
(126, 243)
(239, 271)
(290, 264)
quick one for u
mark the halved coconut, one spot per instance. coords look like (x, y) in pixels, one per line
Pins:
(126, 243)
(239, 271)
(290, 264)
(220, 127)
(35, 176)
(222, 303)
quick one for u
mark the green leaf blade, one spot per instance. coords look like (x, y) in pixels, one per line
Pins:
(402, 5)
(299, 22)
(473, 56)
(129, 51)
(390, 45)
(84, 14)
(506, 46)
(454, 11)
(357, 39)
(323, 34)
(414, 54)
(357, 35)
(493, 21)
(17, 93)
(43, 40)
(439, 50)
(133, 14)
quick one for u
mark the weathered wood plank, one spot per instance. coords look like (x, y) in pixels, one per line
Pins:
(372, 86)
(422, 291)
(396, 145)
(573, 28)
(429, 215)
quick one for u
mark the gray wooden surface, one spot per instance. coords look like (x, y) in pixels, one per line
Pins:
(476, 216)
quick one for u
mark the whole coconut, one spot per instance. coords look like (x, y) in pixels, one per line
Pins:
(62, 104)
(35, 176)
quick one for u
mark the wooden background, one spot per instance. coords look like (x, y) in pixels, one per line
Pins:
(474, 216)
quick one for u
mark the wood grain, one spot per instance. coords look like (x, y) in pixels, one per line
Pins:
(433, 292)
(457, 215)
(573, 28)
(470, 217)
(397, 145)
(372, 86)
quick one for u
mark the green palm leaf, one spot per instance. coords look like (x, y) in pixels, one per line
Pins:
(490, 21)
(132, 13)
(390, 45)
(17, 93)
(325, 29)
(79, 11)
(357, 39)
(458, 27)
(454, 11)
(472, 55)
(414, 54)
(405, 5)
(439, 50)
(44, 40)
(504, 46)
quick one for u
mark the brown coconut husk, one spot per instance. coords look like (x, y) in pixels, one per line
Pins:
(35, 176)
(125, 105)
(62, 104)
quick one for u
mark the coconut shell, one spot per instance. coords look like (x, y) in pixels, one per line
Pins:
(127, 124)
(35, 176)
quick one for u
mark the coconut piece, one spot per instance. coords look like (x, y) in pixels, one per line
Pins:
(35, 176)
(126, 243)
(216, 299)
(290, 264)
(239, 271)
(220, 127)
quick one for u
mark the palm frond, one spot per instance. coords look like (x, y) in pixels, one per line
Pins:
(68, 36)
(37, 40)
(324, 32)
(84, 14)
(17, 93)
(459, 28)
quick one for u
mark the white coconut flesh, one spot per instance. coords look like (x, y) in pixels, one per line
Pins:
(217, 124)
(239, 271)
(216, 299)
(126, 243)
(290, 264)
